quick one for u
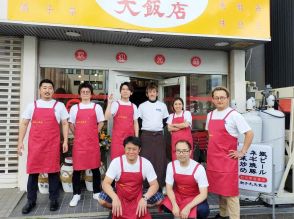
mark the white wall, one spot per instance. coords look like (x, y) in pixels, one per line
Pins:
(3, 9)
(28, 95)
(101, 56)
(237, 79)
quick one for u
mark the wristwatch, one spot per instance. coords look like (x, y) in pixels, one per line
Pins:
(145, 197)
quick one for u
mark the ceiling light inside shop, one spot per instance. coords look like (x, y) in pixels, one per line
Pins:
(95, 75)
(221, 44)
(145, 40)
(72, 34)
(80, 76)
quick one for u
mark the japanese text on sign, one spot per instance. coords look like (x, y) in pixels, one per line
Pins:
(255, 169)
(155, 13)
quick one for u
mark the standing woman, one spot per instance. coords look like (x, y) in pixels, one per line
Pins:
(85, 122)
(179, 124)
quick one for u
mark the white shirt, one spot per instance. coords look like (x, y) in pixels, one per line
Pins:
(114, 169)
(187, 117)
(74, 110)
(60, 110)
(235, 123)
(152, 115)
(199, 176)
(114, 108)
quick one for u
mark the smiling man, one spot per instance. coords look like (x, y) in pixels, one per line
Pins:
(129, 172)
(186, 185)
(45, 115)
(125, 119)
(224, 125)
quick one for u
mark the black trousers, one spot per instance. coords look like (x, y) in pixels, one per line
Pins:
(76, 181)
(32, 187)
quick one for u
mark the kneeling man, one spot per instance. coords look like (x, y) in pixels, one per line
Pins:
(129, 171)
(186, 185)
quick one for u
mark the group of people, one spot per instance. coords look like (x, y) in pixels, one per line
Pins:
(138, 170)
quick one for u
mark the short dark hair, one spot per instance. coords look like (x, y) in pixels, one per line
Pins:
(180, 99)
(46, 81)
(128, 84)
(220, 88)
(132, 139)
(184, 141)
(151, 85)
(85, 85)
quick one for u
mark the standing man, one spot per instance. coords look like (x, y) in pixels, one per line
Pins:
(125, 119)
(45, 115)
(154, 116)
(186, 185)
(224, 125)
(86, 120)
(129, 171)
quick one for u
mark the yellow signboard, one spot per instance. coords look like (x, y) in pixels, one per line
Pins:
(248, 19)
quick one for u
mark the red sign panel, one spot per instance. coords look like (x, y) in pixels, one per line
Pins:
(195, 61)
(81, 55)
(121, 57)
(159, 59)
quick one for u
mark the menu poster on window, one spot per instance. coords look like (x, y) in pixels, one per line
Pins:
(255, 169)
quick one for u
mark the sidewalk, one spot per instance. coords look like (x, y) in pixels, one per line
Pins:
(12, 201)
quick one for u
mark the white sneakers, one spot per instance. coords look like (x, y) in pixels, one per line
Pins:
(96, 196)
(75, 200)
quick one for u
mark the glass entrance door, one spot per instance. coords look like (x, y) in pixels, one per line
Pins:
(172, 88)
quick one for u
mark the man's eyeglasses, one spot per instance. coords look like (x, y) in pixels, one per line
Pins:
(85, 92)
(219, 98)
(182, 151)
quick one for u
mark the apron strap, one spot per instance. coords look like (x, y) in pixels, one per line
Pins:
(141, 165)
(118, 103)
(35, 103)
(78, 106)
(94, 106)
(55, 104)
(121, 164)
(195, 169)
(228, 114)
(173, 165)
(211, 115)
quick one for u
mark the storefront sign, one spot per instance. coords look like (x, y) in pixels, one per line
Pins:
(154, 13)
(121, 57)
(159, 59)
(195, 61)
(233, 19)
(255, 169)
(81, 55)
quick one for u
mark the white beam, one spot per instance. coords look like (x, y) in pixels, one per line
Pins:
(28, 94)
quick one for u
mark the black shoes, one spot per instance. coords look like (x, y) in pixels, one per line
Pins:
(54, 205)
(218, 216)
(28, 207)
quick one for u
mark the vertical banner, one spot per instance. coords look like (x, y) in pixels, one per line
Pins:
(255, 169)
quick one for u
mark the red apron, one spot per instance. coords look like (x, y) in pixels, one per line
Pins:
(44, 142)
(86, 149)
(185, 189)
(129, 190)
(182, 134)
(222, 171)
(123, 126)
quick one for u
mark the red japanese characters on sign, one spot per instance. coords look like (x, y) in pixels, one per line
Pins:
(155, 13)
(195, 61)
(121, 57)
(159, 59)
(81, 55)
